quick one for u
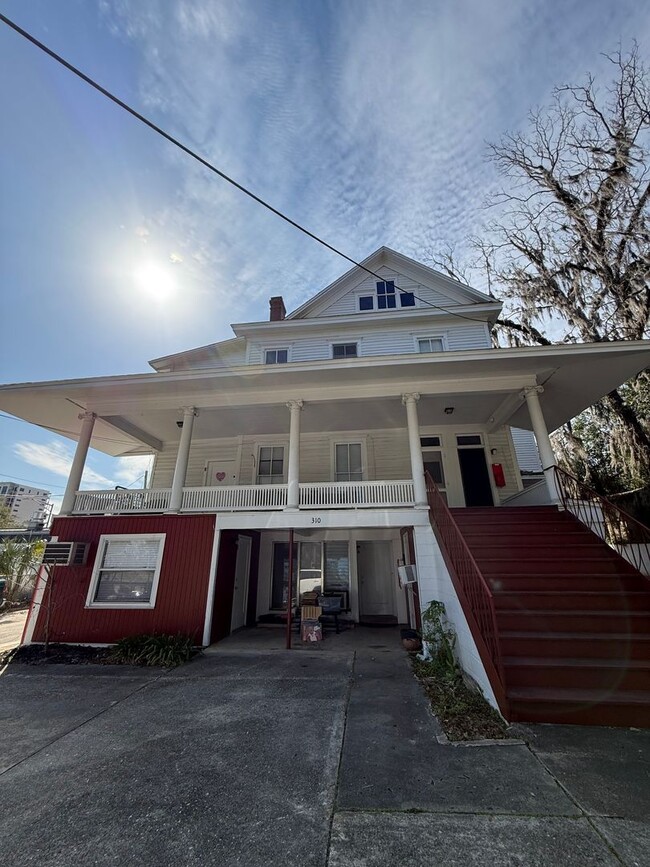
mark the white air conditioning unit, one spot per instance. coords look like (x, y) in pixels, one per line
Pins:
(407, 575)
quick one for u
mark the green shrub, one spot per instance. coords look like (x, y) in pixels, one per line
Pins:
(167, 651)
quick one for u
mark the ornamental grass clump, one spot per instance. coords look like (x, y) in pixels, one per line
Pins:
(166, 651)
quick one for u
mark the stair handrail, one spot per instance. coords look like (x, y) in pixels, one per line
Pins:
(473, 590)
(622, 532)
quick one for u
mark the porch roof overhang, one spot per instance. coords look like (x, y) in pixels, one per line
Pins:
(138, 413)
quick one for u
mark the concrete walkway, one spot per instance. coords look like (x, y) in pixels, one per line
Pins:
(12, 624)
(244, 758)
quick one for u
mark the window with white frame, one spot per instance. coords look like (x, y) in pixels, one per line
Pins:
(431, 344)
(344, 350)
(276, 356)
(386, 297)
(126, 571)
(348, 464)
(270, 465)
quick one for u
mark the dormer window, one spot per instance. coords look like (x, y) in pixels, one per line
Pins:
(276, 356)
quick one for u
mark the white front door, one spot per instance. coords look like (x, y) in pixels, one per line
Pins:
(240, 593)
(219, 473)
(375, 572)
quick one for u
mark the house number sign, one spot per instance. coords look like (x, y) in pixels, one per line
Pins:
(316, 520)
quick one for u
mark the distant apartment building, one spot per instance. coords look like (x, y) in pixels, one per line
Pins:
(27, 505)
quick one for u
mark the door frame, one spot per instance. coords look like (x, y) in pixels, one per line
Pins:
(390, 548)
(249, 549)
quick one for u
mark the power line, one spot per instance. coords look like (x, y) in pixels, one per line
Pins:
(211, 167)
(31, 481)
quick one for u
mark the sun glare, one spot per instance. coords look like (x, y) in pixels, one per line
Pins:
(154, 280)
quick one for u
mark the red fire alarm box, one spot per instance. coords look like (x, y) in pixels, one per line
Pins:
(499, 478)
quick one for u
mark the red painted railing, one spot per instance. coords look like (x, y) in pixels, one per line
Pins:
(621, 531)
(472, 589)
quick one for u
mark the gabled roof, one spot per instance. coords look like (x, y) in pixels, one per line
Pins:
(456, 292)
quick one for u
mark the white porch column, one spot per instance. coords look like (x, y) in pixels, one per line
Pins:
(531, 395)
(417, 464)
(293, 469)
(78, 462)
(180, 470)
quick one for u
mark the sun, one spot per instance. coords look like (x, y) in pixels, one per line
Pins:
(154, 280)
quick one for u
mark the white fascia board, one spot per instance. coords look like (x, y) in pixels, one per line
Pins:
(406, 360)
(215, 348)
(468, 313)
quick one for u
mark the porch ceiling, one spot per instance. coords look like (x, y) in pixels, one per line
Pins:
(137, 413)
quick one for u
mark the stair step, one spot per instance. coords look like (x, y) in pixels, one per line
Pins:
(553, 600)
(551, 564)
(633, 622)
(566, 583)
(576, 673)
(592, 645)
(580, 706)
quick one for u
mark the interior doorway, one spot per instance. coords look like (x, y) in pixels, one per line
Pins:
(375, 576)
(474, 471)
(240, 590)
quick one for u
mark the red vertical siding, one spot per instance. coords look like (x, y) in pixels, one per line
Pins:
(182, 587)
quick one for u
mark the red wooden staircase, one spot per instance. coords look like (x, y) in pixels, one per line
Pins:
(572, 617)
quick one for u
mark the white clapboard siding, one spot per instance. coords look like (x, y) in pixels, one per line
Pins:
(201, 452)
(526, 448)
(347, 304)
(500, 441)
(372, 342)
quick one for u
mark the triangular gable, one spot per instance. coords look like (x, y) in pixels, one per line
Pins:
(432, 287)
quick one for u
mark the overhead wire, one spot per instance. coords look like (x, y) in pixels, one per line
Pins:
(211, 167)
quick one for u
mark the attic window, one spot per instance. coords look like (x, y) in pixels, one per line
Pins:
(386, 295)
(367, 302)
(344, 350)
(276, 356)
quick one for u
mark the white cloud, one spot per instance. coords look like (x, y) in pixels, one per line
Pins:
(132, 469)
(57, 458)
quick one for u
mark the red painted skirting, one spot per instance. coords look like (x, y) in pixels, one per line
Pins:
(182, 588)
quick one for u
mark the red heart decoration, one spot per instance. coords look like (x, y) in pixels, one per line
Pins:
(221, 477)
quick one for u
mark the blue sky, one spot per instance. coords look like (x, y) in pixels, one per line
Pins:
(366, 120)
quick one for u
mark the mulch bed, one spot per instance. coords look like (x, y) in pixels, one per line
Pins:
(59, 654)
(462, 712)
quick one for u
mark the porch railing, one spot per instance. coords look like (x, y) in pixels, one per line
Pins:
(621, 531)
(356, 495)
(120, 502)
(234, 498)
(472, 589)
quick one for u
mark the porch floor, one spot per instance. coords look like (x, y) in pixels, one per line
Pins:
(262, 639)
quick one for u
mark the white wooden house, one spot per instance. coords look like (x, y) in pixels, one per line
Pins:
(321, 422)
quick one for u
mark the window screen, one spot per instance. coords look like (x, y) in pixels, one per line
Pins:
(127, 571)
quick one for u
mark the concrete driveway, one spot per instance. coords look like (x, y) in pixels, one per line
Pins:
(12, 624)
(296, 759)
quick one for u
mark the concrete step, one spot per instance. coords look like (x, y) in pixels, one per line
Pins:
(580, 706)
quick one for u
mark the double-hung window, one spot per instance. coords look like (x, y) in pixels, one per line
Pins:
(344, 350)
(270, 465)
(126, 571)
(431, 344)
(348, 462)
(276, 356)
(386, 295)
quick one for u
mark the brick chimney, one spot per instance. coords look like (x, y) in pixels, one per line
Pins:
(278, 310)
